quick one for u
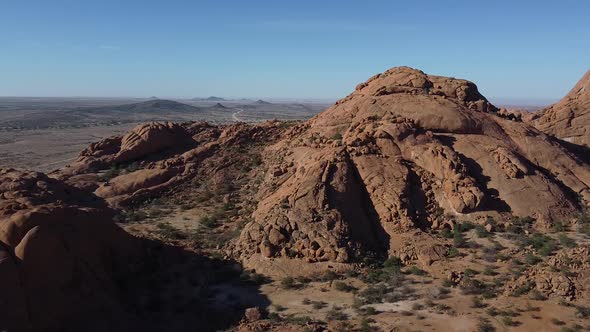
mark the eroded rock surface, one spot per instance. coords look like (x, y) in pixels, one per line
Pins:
(59, 254)
(568, 119)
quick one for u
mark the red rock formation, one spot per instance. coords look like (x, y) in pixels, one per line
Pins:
(59, 253)
(405, 150)
(568, 119)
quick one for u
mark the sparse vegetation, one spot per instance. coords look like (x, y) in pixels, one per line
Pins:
(484, 325)
(565, 241)
(343, 287)
(336, 314)
(169, 232)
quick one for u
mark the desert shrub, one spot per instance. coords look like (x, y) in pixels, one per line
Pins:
(458, 238)
(524, 289)
(565, 241)
(492, 311)
(446, 233)
(520, 224)
(337, 136)
(343, 287)
(557, 322)
(288, 283)
(508, 321)
(111, 173)
(532, 259)
(365, 325)
(582, 311)
(471, 286)
(328, 276)
(453, 252)
(374, 294)
(131, 216)
(536, 295)
(540, 242)
(336, 314)
(391, 273)
(476, 302)
(370, 311)
(584, 228)
(489, 271)
(255, 160)
(484, 325)
(416, 271)
(208, 221)
(254, 278)
(481, 232)
(279, 308)
(437, 293)
(168, 231)
(559, 226)
(393, 262)
(470, 272)
(317, 305)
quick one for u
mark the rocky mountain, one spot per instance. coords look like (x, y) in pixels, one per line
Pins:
(406, 151)
(568, 119)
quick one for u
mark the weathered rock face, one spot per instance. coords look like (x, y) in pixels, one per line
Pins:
(551, 280)
(405, 150)
(59, 253)
(568, 119)
(156, 157)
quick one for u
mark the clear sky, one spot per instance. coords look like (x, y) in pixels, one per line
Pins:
(525, 50)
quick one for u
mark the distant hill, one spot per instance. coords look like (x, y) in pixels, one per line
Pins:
(219, 105)
(262, 102)
(211, 98)
(150, 106)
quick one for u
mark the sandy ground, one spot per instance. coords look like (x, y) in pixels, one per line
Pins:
(50, 149)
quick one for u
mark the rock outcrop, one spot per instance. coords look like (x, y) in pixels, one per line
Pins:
(568, 119)
(405, 151)
(60, 254)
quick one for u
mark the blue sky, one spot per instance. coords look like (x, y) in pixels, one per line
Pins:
(513, 50)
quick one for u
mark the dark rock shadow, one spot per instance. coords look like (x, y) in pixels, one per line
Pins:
(175, 289)
(580, 151)
(356, 207)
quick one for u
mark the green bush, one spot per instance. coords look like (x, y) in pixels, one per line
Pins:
(446, 233)
(540, 242)
(484, 325)
(416, 271)
(481, 232)
(209, 221)
(532, 259)
(453, 252)
(288, 283)
(393, 262)
(490, 271)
